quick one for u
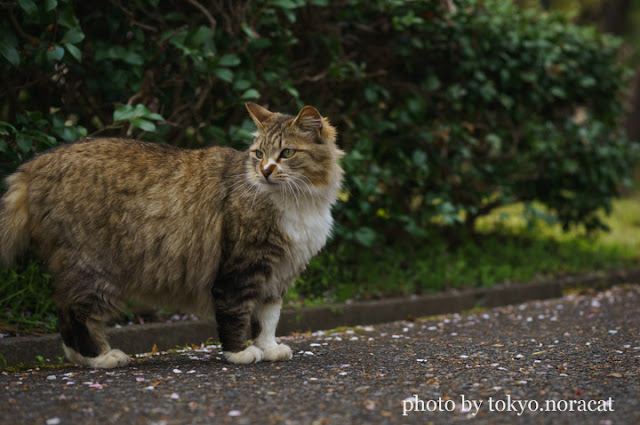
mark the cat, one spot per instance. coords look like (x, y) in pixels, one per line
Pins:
(213, 229)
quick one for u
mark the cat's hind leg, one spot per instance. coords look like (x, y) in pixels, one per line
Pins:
(84, 342)
(85, 302)
(264, 322)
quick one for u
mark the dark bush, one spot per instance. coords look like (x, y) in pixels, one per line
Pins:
(444, 115)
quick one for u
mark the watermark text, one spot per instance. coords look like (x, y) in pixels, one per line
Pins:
(506, 404)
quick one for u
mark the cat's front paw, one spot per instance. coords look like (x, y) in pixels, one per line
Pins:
(277, 353)
(251, 354)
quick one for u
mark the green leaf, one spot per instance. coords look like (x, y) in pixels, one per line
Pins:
(251, 94)
(67, 18)
(419, 158)
(224, 74)
(197, 36)
(9, 52)
(118, 52)
(4, 125)
(370, 94)
(355, 155)
(506, 101)
(241, 85)
(24, 143)
(129, 113)
(123, 113)
(285, 4)
(558, 92)
(143, 124)
(73, 36)
(138, 115)
(229, 60)
(28, 6)
(248, 31)
(494, 140)
(587, 81)
(154, 116)
(49, 5)
(292, 91)
(132, 58)
(3, 146)
(55, 53)
(432, 83)
(74, 51)
(141, 110)
(571, 166)
(366, 236)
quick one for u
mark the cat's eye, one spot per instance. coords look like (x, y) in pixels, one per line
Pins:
(259, 154)
(287, 153)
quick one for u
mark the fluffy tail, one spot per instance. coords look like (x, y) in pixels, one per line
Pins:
(14, 218)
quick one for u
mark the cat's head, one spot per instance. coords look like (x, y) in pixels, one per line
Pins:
(291, 154)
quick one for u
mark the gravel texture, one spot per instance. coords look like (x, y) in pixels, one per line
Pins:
(577, 353)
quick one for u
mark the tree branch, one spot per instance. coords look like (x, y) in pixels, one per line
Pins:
(205, 12)
(32, 40)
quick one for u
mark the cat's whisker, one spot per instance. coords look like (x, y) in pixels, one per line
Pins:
(242, 185)
(302, 178)
(239, 181)
(255, 195)
(306, 193)
(294, 189)
(284, 190)
(289, 185)
(229, 190)
(243, 174)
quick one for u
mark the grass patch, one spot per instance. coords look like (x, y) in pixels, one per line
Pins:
(431, 266)
(26, 303)
(514, 243)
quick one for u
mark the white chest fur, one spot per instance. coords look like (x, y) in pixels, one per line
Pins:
(308, 230)
(307, 224)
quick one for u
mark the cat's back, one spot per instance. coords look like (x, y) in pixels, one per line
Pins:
(104, 156)
(117, 186)
(111, 167)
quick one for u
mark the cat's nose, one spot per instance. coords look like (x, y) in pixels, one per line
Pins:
(266, 171)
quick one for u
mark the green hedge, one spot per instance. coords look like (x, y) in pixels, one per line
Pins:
(444, 115)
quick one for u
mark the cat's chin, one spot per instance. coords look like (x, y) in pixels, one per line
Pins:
(271, 185)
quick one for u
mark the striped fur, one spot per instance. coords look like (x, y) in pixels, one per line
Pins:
(120, 219)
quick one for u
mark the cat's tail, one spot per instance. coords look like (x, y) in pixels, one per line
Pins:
(14, 219)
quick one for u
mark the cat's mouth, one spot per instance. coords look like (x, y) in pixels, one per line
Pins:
(270, 182)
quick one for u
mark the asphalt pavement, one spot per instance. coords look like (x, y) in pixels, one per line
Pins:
(573, 360)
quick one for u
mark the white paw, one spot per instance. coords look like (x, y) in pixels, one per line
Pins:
(251, 354)
(108, 360)
(277, 353)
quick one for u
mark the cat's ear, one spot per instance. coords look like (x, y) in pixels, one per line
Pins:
(258, 114)
(309, 120)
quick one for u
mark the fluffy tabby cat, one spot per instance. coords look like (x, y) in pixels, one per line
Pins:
(207, 229)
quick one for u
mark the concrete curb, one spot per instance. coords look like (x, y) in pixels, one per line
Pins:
(142, 338)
